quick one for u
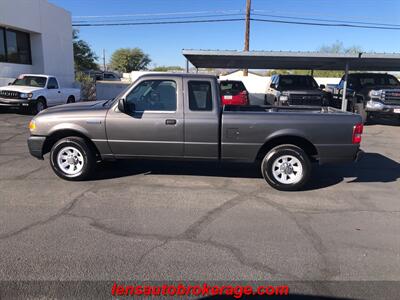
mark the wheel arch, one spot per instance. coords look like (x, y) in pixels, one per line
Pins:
(41, 97)
(291, 139)
(57, 135)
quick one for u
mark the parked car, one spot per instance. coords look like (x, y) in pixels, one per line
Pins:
(35, 92)
(233, 92)
(179, 116)
(370, 94)
(296, 90)
(100, 76)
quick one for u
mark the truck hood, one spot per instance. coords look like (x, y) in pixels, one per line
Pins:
(83, 107)
(303, 92)
(20, 88)
(383, 87)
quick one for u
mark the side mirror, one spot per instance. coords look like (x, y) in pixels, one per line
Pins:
(10, 83)
(125, 107)
(272, 86)
(322, 86)
(122, 105)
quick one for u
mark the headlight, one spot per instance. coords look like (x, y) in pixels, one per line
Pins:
(32, 125)
(375, 94)
(25, 95)
(283, 98)
(374, 105)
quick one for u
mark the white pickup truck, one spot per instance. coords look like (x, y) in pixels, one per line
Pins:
(35, 92)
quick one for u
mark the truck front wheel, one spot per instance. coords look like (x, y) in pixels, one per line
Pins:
(286, 168)
(72, 158)
(38, 106)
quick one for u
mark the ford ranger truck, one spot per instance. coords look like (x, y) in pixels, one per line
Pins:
(179, 116)
(34, 93)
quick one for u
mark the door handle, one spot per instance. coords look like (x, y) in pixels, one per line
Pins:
(170, 122)
(59, 92)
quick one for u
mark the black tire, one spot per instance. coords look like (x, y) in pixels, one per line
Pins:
(277, 153)
(87, 157)
(71, 99)
(38, 106)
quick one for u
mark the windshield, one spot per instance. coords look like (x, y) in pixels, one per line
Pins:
(297, 82)
(378, 79)
(34, 81)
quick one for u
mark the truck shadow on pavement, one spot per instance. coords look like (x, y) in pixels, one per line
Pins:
(373, 167)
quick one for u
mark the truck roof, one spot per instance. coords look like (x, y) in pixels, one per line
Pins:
(169, 74)
(41, 75)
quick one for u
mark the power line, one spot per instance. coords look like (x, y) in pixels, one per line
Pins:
(326, 24)
(325, 20)
(162, 14)
(158, 23)
(154, 19)
(235, 20)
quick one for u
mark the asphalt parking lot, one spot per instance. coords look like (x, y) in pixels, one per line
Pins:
(142, 220)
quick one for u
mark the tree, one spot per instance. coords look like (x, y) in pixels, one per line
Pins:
(129, 59)
(84, 57)
(337, 47)
(167, 68)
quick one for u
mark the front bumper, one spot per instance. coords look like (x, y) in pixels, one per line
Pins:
(375, 107)
(18, 103)
(35, 145)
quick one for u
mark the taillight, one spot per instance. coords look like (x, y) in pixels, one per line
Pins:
(357, 132)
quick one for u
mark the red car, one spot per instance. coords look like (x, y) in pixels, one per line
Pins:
(233, 92)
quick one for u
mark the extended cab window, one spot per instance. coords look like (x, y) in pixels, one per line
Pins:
(153, 95)
(52, 84)
(200, 97)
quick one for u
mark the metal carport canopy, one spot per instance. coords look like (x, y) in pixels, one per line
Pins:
(292, 60)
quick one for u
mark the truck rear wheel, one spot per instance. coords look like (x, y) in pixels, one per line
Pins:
(286, 168)
(72, 158)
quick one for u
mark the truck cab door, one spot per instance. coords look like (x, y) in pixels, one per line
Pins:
(202, 118)
(154, 125)
(53, 92)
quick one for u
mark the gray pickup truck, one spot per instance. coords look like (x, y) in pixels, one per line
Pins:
(179, 116)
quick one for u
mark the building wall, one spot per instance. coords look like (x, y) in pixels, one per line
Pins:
(50, 31)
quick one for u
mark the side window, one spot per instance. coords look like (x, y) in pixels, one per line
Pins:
(52, 84)
(393, 81)
(153, 95)
(340, 85)
(200, 96)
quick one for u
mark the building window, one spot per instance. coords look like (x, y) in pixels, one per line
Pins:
(15, 47)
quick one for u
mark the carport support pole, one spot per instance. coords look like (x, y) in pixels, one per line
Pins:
(344, 100)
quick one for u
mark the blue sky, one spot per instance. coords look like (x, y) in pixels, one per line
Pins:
(164, 42)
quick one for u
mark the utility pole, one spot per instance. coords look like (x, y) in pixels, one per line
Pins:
(247, 33)
(104, 60)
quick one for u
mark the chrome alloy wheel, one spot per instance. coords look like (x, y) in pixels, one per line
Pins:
(287, 169)
(70, 160)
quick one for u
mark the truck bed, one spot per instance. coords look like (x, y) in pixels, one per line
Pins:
(245, 129)
(286, 109)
